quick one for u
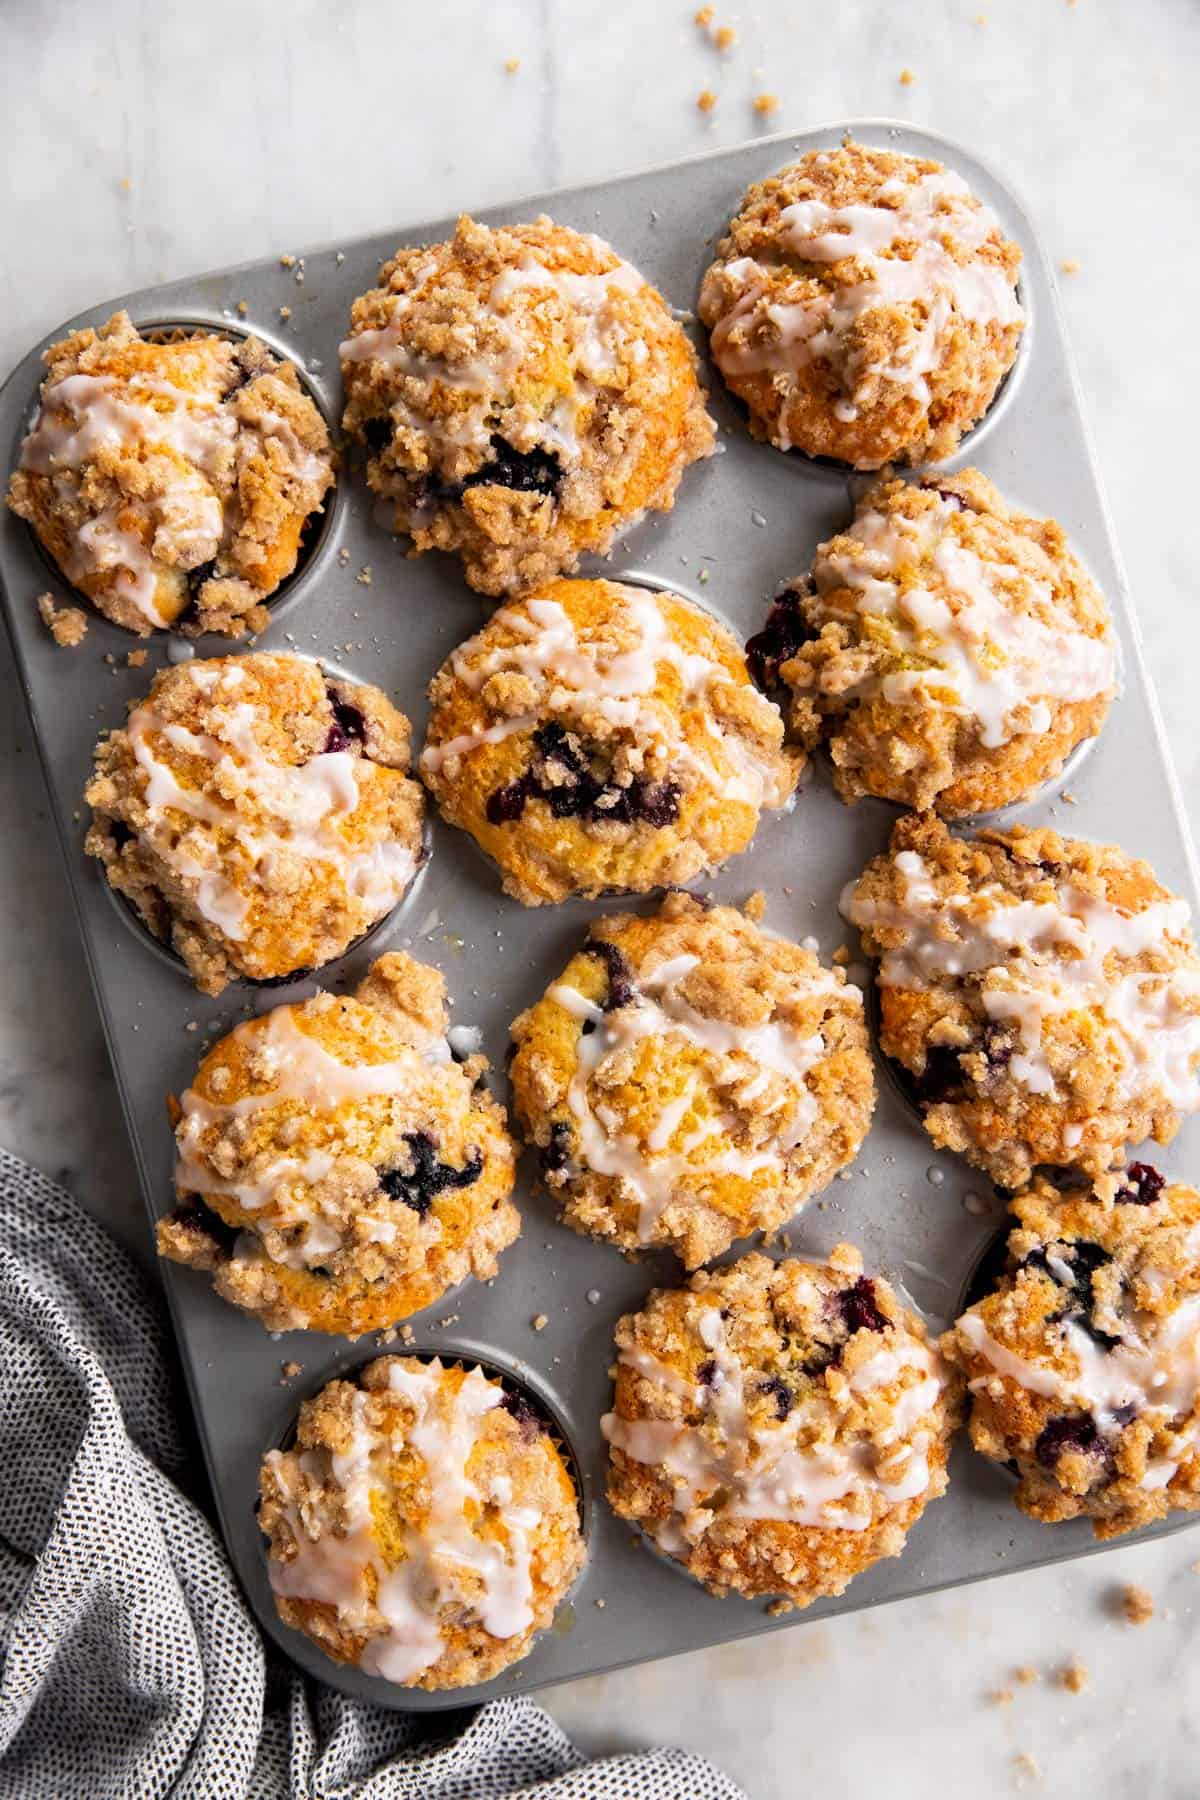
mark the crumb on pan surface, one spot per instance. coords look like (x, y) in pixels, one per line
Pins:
(950, 650)
(257, 814)
(424, 1527)
(596, 737)
(778, 1427)
(337, 1169)
(863, 305)
(1043, 992)
(171, 479)
(1083, 1364)
(689, 1079)
(522, 395)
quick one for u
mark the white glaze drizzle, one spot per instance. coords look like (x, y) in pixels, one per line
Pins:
(302, 807)
(1155, 1369)
(994, 661)
(763, 1468)
(936, 210)
(595, 331)
(498, 1585)
(649, 1173)
(1036, 959)
(572, 674)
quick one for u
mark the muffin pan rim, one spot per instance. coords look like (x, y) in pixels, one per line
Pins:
(231, 1363)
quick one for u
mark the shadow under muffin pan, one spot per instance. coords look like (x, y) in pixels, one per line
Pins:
(750, 519)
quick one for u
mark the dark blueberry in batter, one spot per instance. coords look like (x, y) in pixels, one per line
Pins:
(707, 1372)
(349, 726)
(1084, 1259)
(781, 1393)
(525, 1413)
(506, 804)
(620, 983)
(997, 1046)
(1142, 1188)
(120, 833)
(379, 434)
(196, 1216)
(858, 1307)
(826, 1356)
(197, 577)
(557, 1153)
(419, 1186)
(947, 494)
(1069, 1434)
(941, 1078)
(780, 638)
(524, 471)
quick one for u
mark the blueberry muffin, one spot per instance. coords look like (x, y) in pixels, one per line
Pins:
(689, 1079)
(171, 478)
(597, 737)
(338, 1169)
(952, 652)
(523, 395)
(424, 1527)
(1083, 1364)
(864, 307)
(1042, 992)
(257, 814)
(778, 1427)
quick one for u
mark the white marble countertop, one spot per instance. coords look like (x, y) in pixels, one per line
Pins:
(143, 143)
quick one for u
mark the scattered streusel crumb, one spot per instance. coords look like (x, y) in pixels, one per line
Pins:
(343, 556)
(600, 1604)
(778, 1608)
(67, 625)
(704, 17)
(766, 103)
(706, 100)
(1073, 1676)
(1026, 1767)
(512, 65)
(1070, 265)
(136, 659)
(364, 576)
(285, 313)
(390, 1335)
(1137, 1603)
(907, 78)
(756, 905)
(1001, 1697)
(725, 38)
(1069, 798)
(407, 1334)
(1026, 1674)
(540, 1322)
(287, 262)
(289, 1370)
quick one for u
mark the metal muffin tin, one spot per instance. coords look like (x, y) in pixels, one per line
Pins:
(747, 520)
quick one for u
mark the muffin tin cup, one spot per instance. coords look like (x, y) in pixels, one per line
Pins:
(748, 520)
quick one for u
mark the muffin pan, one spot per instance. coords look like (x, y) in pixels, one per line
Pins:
(744, 523)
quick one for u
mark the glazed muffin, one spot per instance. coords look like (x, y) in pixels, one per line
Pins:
(338, 1170)
(864, 307)
(1084, 1362)
(953, 652)
(523, 395)
(425, 1525)
(778, 1427)
(598, 737)
(1043, 992)
(171, 478)
(257, 814)
(689, 1079)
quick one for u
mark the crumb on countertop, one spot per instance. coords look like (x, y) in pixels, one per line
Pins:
(765, 104)
(540, 1322)
(289, 1370)
(704, 17)
(67, 625)
(1074, 1676)
(287, 262)
(1001, 1696)
(1070, 265)
(512, 65)
(706, 100)
(1026, 1767)
(285, 313)
(725, 38)
(1137, 1603)
(364, 576)
(907, 78)
(1026, 1674)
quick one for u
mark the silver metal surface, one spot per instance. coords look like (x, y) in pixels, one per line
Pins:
(750, 518)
